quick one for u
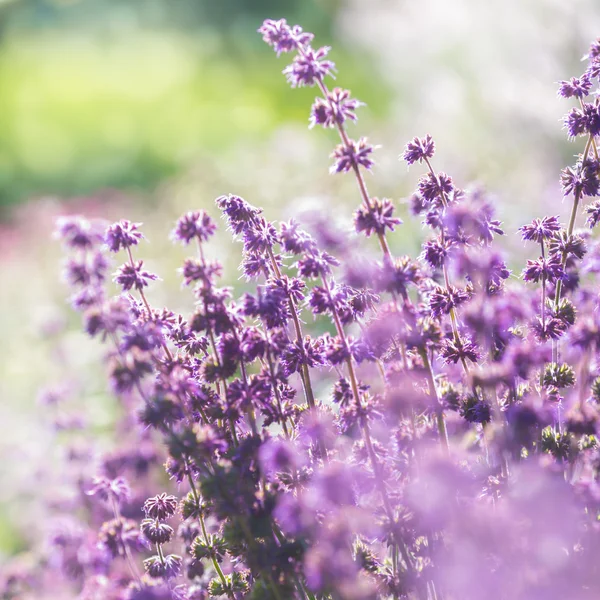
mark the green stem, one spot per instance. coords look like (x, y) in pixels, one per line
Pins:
(441, 423)
(214, 560)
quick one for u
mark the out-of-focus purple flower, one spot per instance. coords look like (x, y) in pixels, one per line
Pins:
(333, 110)
(295, 240)
(593, 212)
(123, 235)
(316, 265)
(309, 67)
(108, 317)
(79, 233)
(282, 37)
(277, 455)
(253, 344)
(89, 270)
(419, 149)
(110, 489)
(130, 276)
(398, 276)
(193, 225)
(471, 222)
(352, 155)
(117, 535)
(198, 271)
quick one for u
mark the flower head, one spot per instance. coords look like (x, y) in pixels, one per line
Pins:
(282, 37)
(336, 108)
(540, 229)
(352, 156)
(161, 506)
(123, 235)
(419, 149)
(130, 276)
(578, 87)
(309, 67)
(79, 233)
(110, 490)
(376, 218)
(193, 225)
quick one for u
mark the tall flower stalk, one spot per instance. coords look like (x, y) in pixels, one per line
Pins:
(425, 428)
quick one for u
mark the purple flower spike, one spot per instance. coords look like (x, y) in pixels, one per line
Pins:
(79, 233)
(110, 489)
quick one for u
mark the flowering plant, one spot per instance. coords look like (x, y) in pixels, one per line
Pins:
(437, 441)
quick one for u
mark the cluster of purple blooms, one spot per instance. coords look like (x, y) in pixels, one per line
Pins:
(435, 440)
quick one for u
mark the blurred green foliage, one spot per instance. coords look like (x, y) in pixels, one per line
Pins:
(123, 93)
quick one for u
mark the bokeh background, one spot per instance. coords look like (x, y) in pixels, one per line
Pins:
(143, 109)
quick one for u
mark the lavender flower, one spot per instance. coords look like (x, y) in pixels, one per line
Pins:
(130, 276)
(550, 268)
(578, 87)
(305, 433)
(79, 233)
(376, 218)
(309, 67)
(161, 506)
(336, 108)
(123, 235)
(419, 150)
(540, 230)
(193, 225)
(352, 155)
(284, 38)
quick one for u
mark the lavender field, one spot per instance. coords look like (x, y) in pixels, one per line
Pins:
(300, 302)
